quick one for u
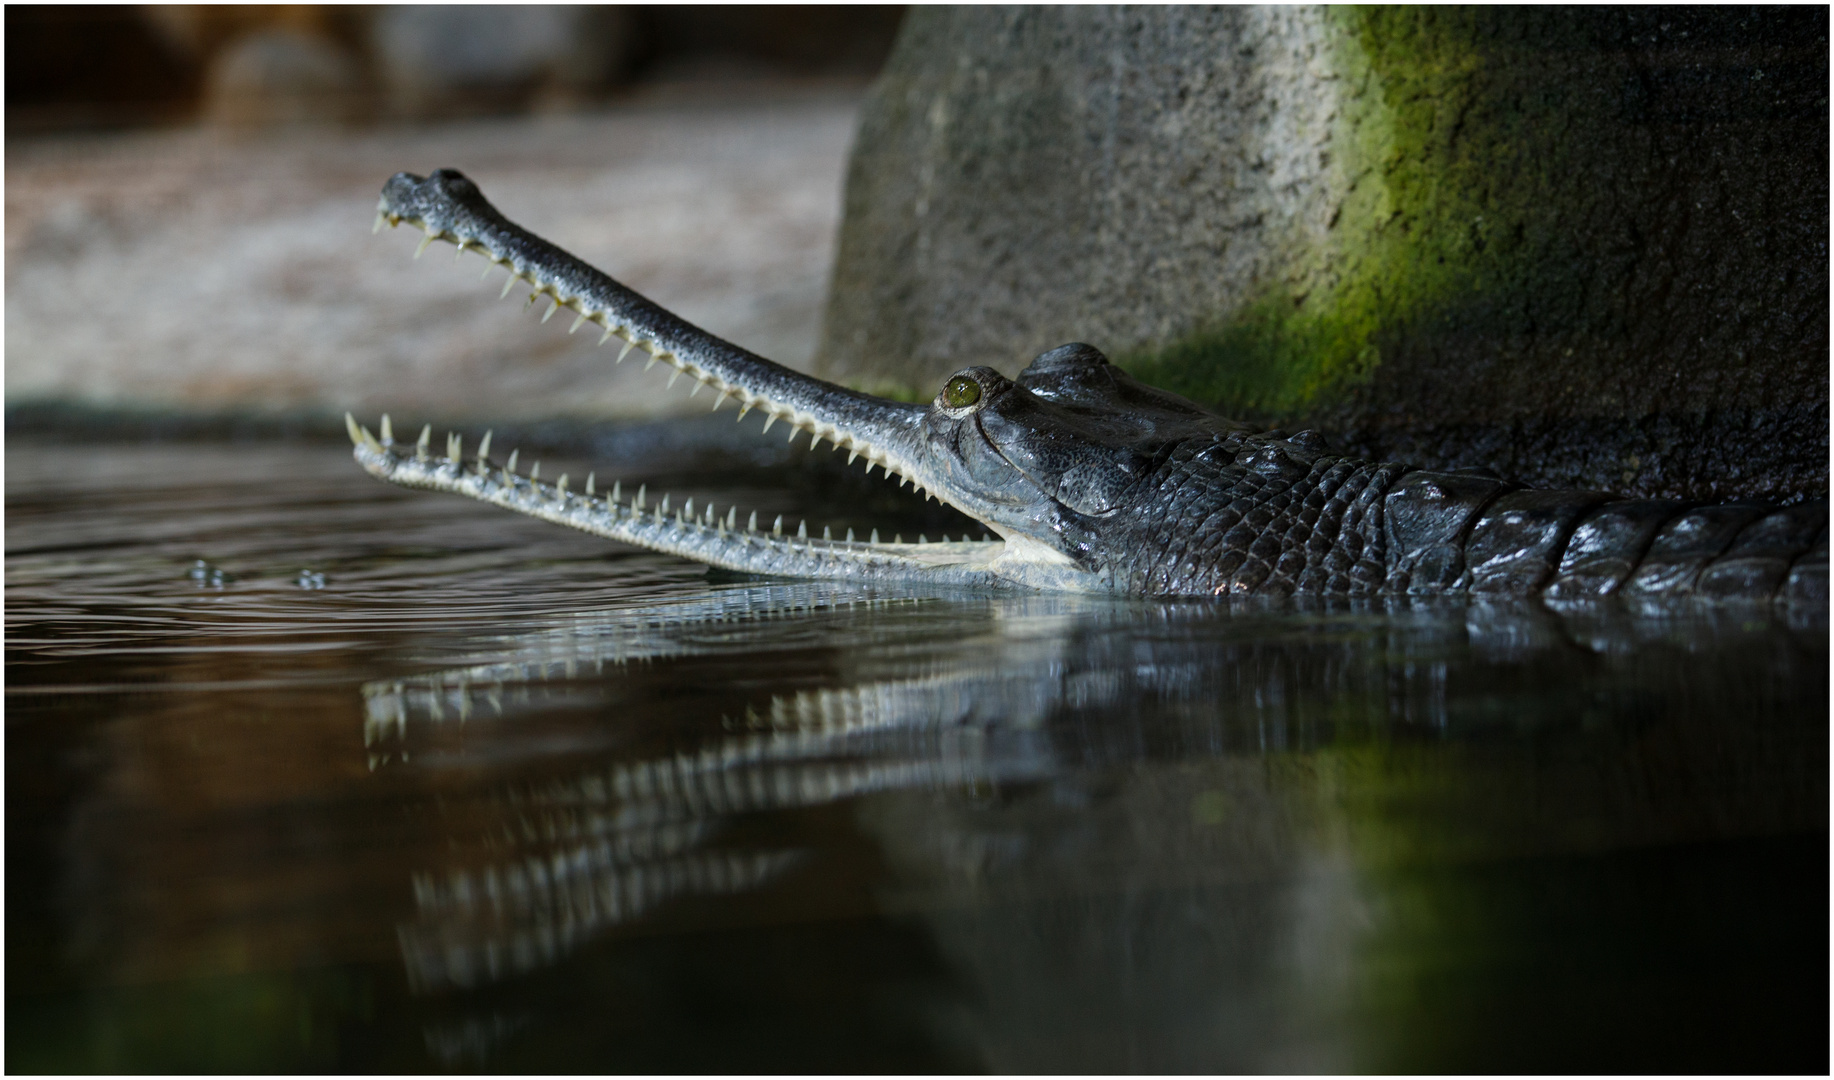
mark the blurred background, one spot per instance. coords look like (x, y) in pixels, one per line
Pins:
(119, 66)
(190, 188)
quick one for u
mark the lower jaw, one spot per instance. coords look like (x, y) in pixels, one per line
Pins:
(705, 534)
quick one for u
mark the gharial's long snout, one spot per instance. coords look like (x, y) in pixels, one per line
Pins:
(447, 206)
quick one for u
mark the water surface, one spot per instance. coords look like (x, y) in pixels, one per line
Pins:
(397, 782)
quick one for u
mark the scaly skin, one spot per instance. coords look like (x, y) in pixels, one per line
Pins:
(1097, 482)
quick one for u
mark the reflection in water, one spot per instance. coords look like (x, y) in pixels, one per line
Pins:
(488, 795)
(1070, 790)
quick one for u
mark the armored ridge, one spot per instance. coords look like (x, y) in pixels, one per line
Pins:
(1096, 482)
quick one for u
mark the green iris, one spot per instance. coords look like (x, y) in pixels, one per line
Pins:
(961, 392)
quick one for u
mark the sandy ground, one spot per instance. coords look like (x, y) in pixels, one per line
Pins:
(197, 271)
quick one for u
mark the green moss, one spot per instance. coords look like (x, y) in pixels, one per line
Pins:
(1438, 177)
(1272, 357)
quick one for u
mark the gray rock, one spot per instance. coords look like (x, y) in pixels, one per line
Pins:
(1028, 177)
(1586, 247)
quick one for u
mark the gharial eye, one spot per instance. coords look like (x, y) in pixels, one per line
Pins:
(961, 392)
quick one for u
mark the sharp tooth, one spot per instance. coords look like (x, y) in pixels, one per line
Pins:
(688, 510)
(718, 400)
(802, 530)
(625, 351)
(577, 322)
(665, 502)
(510, 465)
(535, 473)
(617, 490)
(751, 523)
(814, 439)
(590, 477)
(794, 431)
(454, 447)
(732, 518)
(695, 389)
(561, 484)
(769, 419)
(388, 430)
(460, 253)
(826, 533)
(425, 440)
(484, 448)
(651, 362)
(424, 241)
(744, 407)
(850, 536)
(897, 538)
(673, 375)
(777, 526)
(922, 539)
(643, 491)
(854, 454)
(508, 285)
(606, 336)
(875, 536)
(377, 227)
(488, 267)
(370, 440)
(552, 308)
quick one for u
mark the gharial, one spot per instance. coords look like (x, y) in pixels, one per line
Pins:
(1095, 481)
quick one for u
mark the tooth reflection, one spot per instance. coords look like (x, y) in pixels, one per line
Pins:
(478, 927)
(608, 844)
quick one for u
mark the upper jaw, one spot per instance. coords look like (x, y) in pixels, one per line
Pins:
(448, 206)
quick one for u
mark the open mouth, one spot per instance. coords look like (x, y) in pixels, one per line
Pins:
(448, 207)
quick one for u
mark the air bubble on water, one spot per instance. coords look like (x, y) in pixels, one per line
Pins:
(207, 576)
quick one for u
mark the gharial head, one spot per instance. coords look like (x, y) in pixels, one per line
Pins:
(1042, 460)
(1050, 455)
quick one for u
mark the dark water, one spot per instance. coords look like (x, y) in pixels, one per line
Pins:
(501, 797)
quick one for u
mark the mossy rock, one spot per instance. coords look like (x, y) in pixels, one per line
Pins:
(1583, 246)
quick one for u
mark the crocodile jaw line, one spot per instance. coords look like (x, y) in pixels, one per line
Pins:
(449, 208)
